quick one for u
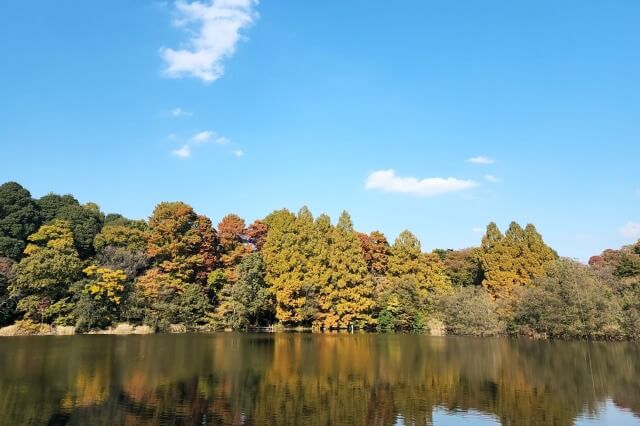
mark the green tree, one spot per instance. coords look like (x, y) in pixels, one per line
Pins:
(50, 204)
(400, 305)
(569, 301)
(45, 275)
(463, 267)
(19, 218)
(247, 301)
(7, 303)
(86, 223)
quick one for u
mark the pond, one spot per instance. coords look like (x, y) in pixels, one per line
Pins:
(316, 379)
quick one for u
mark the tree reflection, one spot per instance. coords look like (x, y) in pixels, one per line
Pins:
(309, 378)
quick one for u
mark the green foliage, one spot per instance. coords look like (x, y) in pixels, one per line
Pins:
(569, 301)
(245, 302)
(19, 218)
(50, 204)
(85, 222)
(45, 275)
(400, 306)
(463, 267)
(7, 303)
(471, 311)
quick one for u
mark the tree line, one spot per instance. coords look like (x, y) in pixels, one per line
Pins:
(66, 263)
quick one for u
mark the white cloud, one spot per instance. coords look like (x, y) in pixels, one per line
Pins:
(202, 137)
(481, 159)
(214, 27)
(182, 152)
(179, 112)
(492, 179)
(477, 230)
(387, 181)
(630, 231)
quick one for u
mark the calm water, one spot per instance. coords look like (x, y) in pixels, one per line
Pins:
(316, 379)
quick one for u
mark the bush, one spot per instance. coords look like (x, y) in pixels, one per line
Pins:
(570, 301)
(471, 311)
(400, 307)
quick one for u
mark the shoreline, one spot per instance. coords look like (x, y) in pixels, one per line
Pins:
(126, 329)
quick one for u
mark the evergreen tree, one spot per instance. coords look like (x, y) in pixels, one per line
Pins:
(512, 261)
(246, 302)
(347, 298)
(293, 252)
(19, 218)
(409, 263)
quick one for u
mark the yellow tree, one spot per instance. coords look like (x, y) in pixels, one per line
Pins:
(513, 260)
(347, 298)
(295, 260)
(106, 284)
(409, 263)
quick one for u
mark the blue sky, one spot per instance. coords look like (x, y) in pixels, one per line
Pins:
(371, 106)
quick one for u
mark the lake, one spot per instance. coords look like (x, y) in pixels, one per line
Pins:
(316, 379)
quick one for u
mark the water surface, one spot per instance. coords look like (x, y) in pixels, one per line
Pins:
(316, 379)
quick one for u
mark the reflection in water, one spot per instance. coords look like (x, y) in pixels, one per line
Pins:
(318, 379)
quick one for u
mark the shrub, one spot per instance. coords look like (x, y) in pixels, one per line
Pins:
(471, 311)
(570, 301)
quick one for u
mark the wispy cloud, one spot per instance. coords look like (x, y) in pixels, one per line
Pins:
(481, 159)
(179, 112)
(215, 28)
(630, 231)
(183, 152)
(209, 136)
(202, 137)
(492, 178)
(477, 230)
(387, 181)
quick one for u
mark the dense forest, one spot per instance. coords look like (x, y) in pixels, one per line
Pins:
(63, 263)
